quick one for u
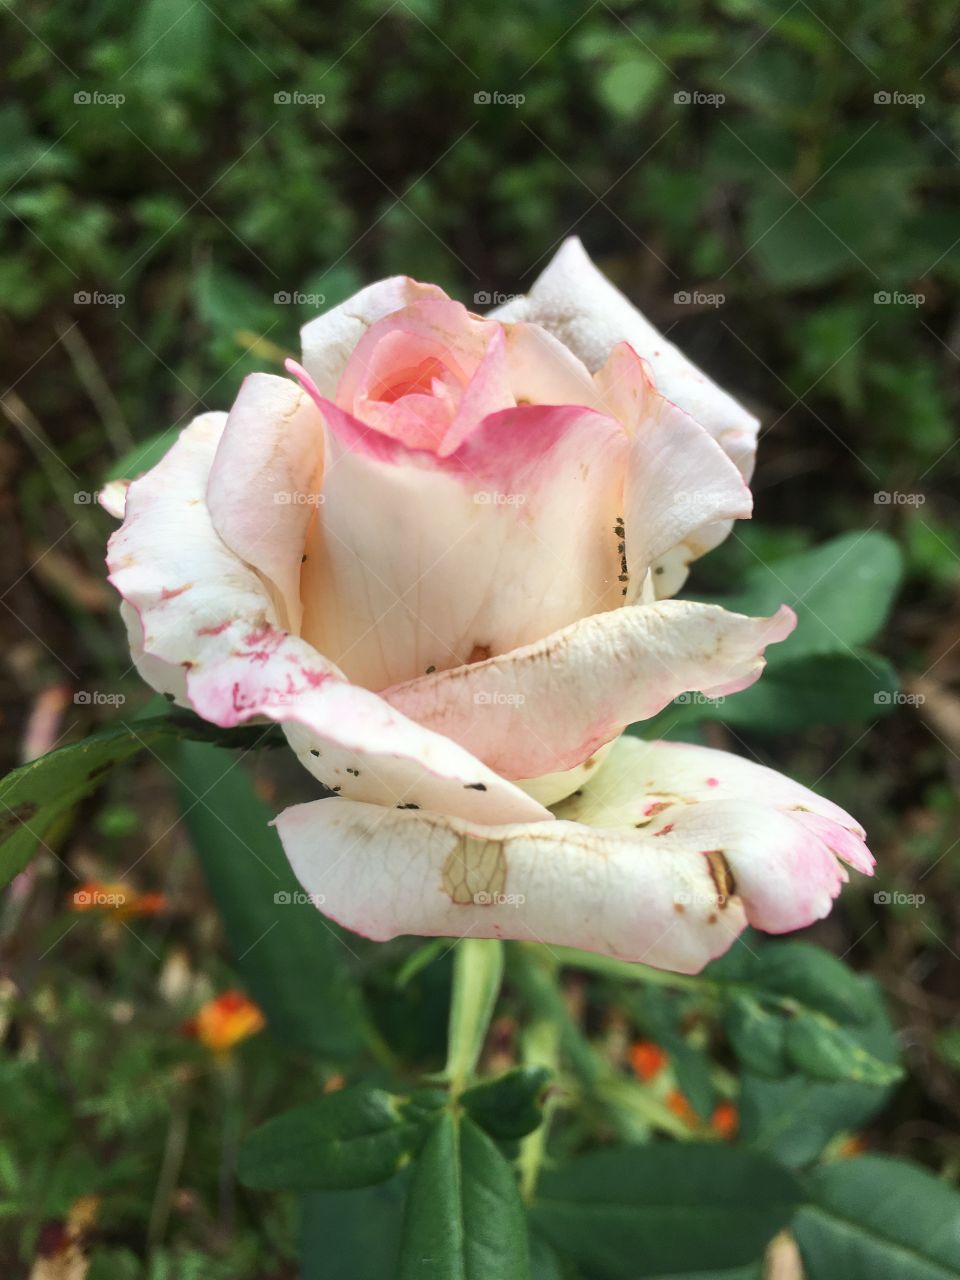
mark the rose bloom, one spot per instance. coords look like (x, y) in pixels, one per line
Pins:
(441, 555)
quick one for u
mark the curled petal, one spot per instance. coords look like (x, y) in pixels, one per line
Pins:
(547, 706)
(456, 558)
(681, 489)
(673, 888)
(264, 481)
(575, 301)
(329, 340)
(205, 628)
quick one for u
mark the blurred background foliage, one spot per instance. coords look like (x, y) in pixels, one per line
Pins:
(172, 185)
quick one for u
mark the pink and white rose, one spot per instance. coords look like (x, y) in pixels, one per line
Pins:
(442, 555)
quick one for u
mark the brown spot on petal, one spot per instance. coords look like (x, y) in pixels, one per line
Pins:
(475, 872)
(721, 875)
(170, 593)
(479, 653)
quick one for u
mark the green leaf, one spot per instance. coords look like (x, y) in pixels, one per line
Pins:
(352, 1138)
(464, 1218)
(841, 592)
(756, 1036)
(36, 796)
(821, 1049)
(477, 975)
(875, 1218)
(353, 1235)
(510, 1106)
(292, 959)
(661, 1209)
(793, 1119)
(815, 978)
(835, 688)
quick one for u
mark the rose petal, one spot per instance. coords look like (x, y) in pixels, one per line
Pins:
(206, 618)
(547, 706)
(575, 301)
(264, 482)
(681, 491)
(674, 892)
(328, 340)
(455, 558)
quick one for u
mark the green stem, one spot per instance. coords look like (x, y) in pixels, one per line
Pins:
(477, 975)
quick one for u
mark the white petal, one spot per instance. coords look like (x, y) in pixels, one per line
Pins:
(210, 635)
(548, 706)
(329, 340)
(575, 301)
(264, 483)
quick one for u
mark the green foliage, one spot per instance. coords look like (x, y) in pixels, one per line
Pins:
(879, 1218)
(354, 1138)
(648, 1211)
(290, 956)
(463, 1216)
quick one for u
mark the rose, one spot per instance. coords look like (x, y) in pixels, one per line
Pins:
(452, 666)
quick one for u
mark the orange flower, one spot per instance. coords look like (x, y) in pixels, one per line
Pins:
(679, 1105)
(725, 1120)
(225, 1021)
(854, 1145)
(647, 1059)
(116, 898)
